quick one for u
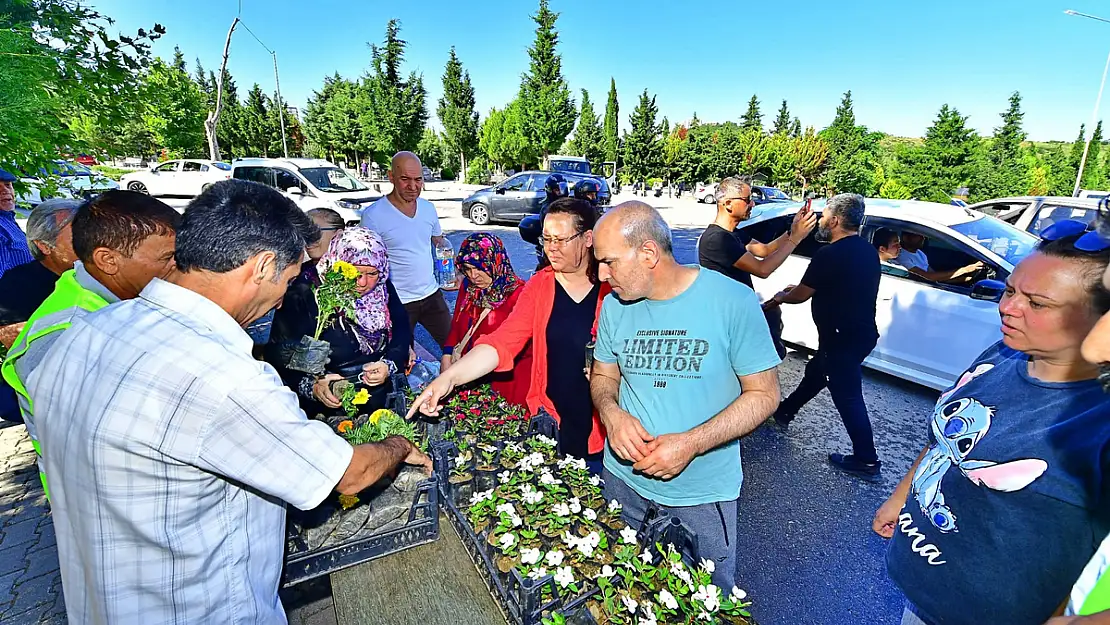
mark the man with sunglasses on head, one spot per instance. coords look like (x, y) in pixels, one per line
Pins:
(736, 254)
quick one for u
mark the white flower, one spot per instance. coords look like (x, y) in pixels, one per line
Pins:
(649, 617)
(738, 595)
(529, 555)
(681, 573)
(564, 576)
(514, 446)
(505, 476)
(531, 496)
(646, 556)
(550, 442)
(708, 565)
(710, 596)
(506, 541)
(561, 509)
(554, 558)
(589, 514)
(704, 616)
(478, 498)
(645, 608)
(586, 549)
(535, 458)
(629, 603)
(506, 508)
(575, 505)
(595, 480)
(460, 460)
(516, 520)
(547, 479)
(607, 572)
(593, 539)
(668, 600)
(628, 536)
(614, 506)
(537, 573)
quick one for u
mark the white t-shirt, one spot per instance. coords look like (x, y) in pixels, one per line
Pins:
(409, 242)
(909, 259)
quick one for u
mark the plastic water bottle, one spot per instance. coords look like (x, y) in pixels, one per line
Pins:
(443, 254)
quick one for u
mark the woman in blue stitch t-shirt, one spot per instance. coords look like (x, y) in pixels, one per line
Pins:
(1007, 502)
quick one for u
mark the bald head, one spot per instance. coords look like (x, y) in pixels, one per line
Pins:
(638, 222)
(407, 175)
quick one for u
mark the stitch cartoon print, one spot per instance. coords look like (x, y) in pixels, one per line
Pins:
(958, 426)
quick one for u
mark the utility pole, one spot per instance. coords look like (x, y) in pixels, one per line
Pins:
(281, 107)
(1094, 114)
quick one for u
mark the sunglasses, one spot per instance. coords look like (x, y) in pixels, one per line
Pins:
(1089, 240)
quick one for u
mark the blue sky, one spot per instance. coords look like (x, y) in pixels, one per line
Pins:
(902, 60)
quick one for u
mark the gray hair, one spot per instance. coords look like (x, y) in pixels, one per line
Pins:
(47, 221)
(330, 217)
(641, 223)
(849, 208)
(730, 185)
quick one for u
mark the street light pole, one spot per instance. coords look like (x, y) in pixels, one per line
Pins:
(1094, 114)
(281, 108)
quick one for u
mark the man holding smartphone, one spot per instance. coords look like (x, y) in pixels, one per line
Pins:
(736, 254)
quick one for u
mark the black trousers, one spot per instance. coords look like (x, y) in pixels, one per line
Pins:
(839, 366)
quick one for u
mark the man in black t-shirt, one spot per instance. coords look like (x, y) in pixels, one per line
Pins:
(843, 282)
(734, 253)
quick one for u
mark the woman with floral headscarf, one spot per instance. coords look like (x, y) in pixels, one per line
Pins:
(489, 292)
(367, 348)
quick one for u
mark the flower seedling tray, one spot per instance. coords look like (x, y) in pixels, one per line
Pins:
(353, 536)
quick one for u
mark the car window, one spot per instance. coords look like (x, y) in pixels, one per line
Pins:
(192, 166)
(1052, 213)
(517, 183)
(204, 167)
(944, 253)
(255, 174)
(757, 194)
(223, 166)
(167, 167)
(1006, 211)
(286, 180)
(771, 229)
(999, 237)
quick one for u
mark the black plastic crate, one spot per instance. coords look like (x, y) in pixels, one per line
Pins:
(421, 527)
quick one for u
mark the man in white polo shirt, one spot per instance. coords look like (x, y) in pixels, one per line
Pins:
(409, 225)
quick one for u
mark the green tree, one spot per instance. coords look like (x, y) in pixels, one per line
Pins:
(173, 108)
(456, 112)
(58, 61)
(674, 154)
(612, 123)
(945, 161)
(588, 139)
(1001, 170)
(752, 118)
(548, 108)
(796, 129)
(256, 122)
(850, 152)
(431, 149)
(1092, 173)
(178, 62)
(782, 122)
(643, 147)
(502, 138)
(392, 113)
(206, 87)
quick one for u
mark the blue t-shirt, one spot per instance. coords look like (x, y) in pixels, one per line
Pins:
(1009, 502)
(679, 361)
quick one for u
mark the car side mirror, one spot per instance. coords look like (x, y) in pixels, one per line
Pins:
(294, 191)
(499, 190)
(988, 290)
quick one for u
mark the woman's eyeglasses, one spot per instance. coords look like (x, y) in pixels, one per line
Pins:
(556, 242)
(1089, 240)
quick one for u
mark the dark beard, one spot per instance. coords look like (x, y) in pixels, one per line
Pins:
(1104, 376)
(824, 235)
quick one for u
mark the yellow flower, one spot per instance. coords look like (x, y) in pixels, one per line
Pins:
(361, 397)
(379, 413)
(348, 501)
(347, 269)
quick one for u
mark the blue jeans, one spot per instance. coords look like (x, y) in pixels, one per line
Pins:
(714, 524)
(840, 368)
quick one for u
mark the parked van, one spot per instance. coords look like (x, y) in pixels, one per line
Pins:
(310, 182)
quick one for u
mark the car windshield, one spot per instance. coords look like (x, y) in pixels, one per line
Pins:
(223, 166)
(69, 169)
(772, 193)
(999, 237)
(332, 180)
(574, 167)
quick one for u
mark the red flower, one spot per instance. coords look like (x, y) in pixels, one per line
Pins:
(475, 412)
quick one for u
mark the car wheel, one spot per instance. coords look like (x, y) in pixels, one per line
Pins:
(710, 199)
(137, 187)
(479, 214)
(204, 187)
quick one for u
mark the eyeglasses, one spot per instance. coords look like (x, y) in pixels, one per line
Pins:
(330, 229)
(556, 242)
(746, 200)
(1089, 240)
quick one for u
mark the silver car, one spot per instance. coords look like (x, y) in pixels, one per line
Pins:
(1035, 213)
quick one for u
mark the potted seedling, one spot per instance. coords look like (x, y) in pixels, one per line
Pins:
(335, 295)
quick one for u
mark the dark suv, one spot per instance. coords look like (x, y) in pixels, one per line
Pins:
(518, 197)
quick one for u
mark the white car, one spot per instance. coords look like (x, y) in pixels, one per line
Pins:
(1035, 213)
(706, 192)
(185, 178)
(928, 332)
(311, 183)
(64, 179)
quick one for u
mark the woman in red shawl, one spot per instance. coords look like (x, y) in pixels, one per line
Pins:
(489, 292)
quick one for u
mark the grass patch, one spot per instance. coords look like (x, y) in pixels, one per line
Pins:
(115, 173)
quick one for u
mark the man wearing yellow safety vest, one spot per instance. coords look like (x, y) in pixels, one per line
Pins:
(123, 240)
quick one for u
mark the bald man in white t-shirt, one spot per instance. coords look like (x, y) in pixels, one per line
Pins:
(409, 226)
